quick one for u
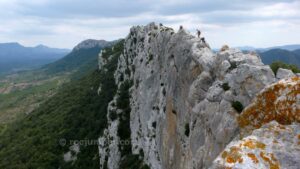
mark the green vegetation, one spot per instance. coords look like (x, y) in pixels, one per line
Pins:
(75, 112)
(123, 103)
(187, 129)
(233, 65)
(281, 55)
(238, 106)
(276, 65)
(225, 86)
(82, 61)
(22, 92)
(113, 115)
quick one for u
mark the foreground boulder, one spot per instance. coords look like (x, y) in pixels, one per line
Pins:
(272, 146)
(271, 130)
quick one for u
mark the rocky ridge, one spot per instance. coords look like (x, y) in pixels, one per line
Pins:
(185, 100)
(91, 43)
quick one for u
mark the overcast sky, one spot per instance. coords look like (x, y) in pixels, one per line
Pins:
(64, 23)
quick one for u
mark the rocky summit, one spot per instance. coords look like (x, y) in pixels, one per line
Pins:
(91, 43)
(191, 108)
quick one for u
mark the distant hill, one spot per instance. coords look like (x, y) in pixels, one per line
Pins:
(290, 57)
(14, 57)
(284, 47)
(83, 57)
(297, 52)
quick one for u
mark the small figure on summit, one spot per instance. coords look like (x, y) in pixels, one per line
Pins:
(203, 40)
(180, 27)
(198, 33)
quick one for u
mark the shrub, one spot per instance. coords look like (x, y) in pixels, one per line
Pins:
(276, 65)
(150, 57)
(233, 65)
(187, 129)
(134, 40)
(113, 115)
(225, 86)
(145, 166)
(238, 106)
(154, 124)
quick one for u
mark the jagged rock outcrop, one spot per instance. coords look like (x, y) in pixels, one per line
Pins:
(182, 98)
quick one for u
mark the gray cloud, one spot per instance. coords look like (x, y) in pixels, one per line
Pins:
(63, 23)
(125, 8)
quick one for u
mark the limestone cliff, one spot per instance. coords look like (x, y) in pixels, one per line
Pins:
(185, 99)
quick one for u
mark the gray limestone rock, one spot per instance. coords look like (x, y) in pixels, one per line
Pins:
(284, 73)
(178, 86)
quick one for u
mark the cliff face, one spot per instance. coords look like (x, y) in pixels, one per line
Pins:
(184, 99)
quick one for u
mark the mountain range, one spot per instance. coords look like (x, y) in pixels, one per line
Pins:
(286, 56)
(14, 57)
(291, 47)
(84, 57)
(289, 54)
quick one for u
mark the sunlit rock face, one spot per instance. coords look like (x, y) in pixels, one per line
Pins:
(273, 146)
(271, 130)
(279, 101)
(181, 97)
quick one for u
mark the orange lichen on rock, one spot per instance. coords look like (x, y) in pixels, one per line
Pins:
(273, 146)
(253, 144)
(253, 157)
(270, 159)
(276, 102)
(233, 156)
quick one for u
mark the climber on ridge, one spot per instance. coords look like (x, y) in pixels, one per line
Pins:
(180, 27)
(203, 40)
(198, 33)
